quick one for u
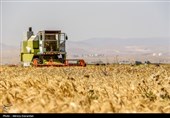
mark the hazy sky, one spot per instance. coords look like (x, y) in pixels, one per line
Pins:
(85, 20)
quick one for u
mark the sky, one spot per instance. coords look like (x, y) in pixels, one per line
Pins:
(85, 20)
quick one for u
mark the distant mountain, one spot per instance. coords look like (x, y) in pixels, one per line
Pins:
(128, 41)
(120, 46)
(7, 47)
(10, 54)
(136, 48)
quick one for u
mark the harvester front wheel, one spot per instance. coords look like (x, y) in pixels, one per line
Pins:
(36, 61)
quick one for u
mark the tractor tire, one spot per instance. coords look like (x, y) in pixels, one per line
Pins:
(37, 61)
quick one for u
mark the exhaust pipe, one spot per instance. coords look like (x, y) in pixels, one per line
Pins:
(29, 33)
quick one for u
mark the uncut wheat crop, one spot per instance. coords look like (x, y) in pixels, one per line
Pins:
(91, 89)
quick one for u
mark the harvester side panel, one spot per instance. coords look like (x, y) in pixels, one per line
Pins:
(26, 57)
(24, 45)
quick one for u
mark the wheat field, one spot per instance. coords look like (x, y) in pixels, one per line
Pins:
(91, 89)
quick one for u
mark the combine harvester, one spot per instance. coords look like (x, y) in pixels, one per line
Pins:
(47, 48)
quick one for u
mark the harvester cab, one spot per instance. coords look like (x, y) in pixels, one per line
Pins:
(47, 48)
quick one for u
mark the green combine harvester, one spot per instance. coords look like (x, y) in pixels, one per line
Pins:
(47, 48)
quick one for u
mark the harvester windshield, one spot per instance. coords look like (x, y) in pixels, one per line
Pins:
(52, 40)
